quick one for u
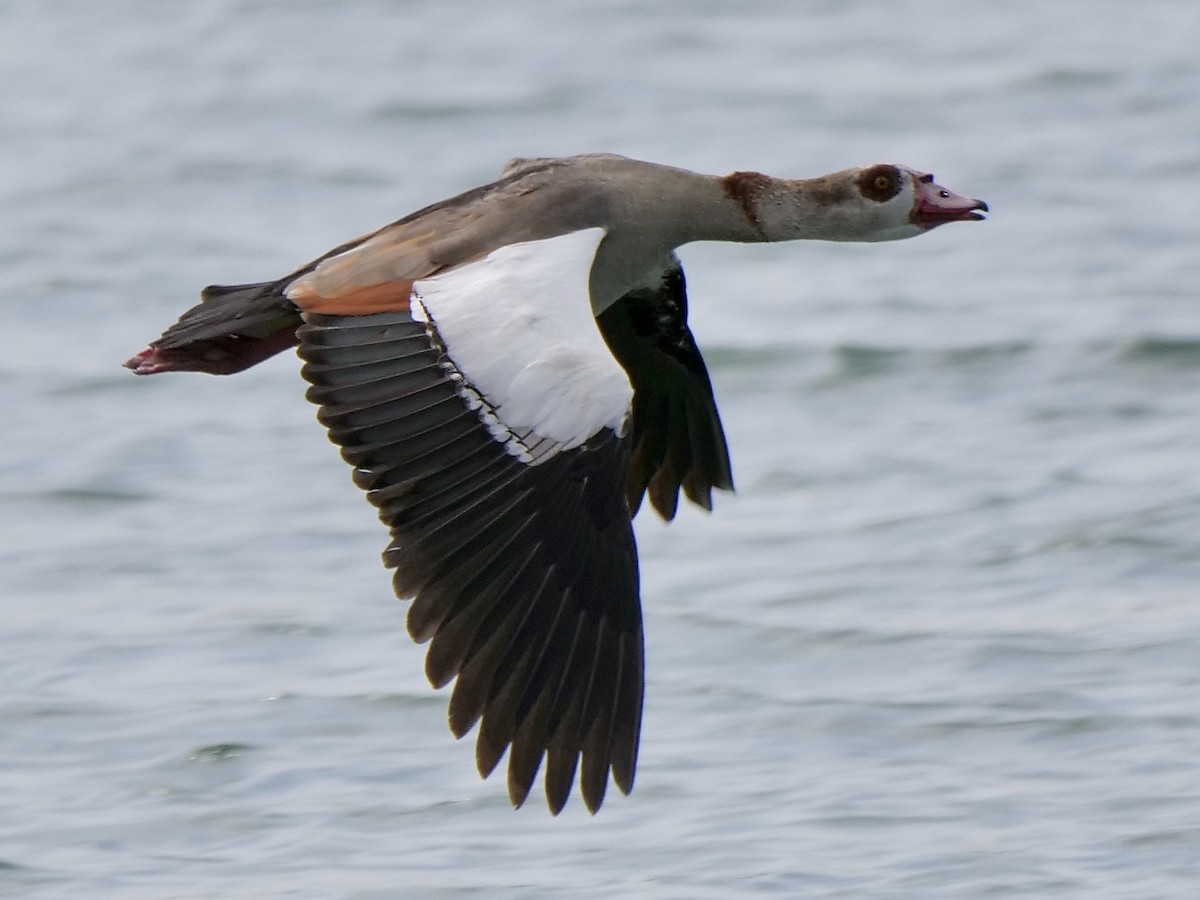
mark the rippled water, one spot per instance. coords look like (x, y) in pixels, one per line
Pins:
(945, 641)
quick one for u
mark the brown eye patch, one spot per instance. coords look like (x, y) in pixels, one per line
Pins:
(879, 183)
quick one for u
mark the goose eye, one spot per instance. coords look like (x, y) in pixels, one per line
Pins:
(879, 183)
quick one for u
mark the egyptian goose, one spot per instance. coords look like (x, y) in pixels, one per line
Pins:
(509, 371)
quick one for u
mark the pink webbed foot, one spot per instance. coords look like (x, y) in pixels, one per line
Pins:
(219, 356)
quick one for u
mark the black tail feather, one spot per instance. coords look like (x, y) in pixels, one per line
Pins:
(232, 328)
(242, 310)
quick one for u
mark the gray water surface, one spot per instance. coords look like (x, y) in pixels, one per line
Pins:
(944, 641)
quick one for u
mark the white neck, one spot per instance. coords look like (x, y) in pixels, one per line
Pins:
(828, 208)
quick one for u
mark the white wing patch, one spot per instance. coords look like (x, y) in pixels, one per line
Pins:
(523, 345)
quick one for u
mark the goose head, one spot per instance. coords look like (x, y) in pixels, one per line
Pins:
(890, 202)
(883, 202)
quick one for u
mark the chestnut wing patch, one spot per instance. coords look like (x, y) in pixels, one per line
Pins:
(356, 301)
(523, 574)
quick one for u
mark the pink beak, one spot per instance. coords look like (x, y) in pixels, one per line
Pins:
(936, 205)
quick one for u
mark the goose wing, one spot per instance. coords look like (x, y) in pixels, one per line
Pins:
(676, 438)
(485, 418)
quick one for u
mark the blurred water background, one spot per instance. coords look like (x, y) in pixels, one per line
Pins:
(945, 640)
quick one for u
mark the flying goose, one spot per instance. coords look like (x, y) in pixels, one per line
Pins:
(509, 372)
